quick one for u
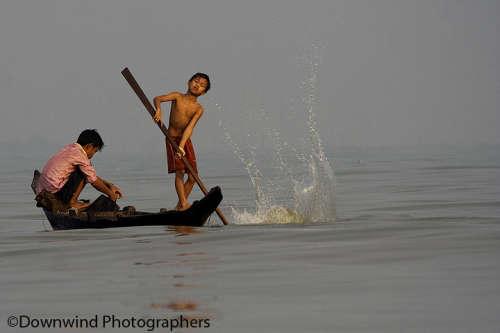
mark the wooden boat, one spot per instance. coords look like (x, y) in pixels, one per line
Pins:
(112, 217)
(195, 216)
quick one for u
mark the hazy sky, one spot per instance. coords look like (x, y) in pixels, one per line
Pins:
(391, 72)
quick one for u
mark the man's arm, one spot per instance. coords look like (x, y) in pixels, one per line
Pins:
(102, 186)
(163, 98)
(113, 188)
(189, 128)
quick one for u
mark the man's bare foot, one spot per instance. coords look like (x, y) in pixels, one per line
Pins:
(80, 205)
(181, 207)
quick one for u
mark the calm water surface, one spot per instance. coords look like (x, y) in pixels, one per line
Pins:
(415, 248)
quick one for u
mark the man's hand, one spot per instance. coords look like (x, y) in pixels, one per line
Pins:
(157, 116)
(113, 196)
(111, 190)
(116, 190)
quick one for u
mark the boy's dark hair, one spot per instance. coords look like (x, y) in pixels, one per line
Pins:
(203, 76)
(90, 136)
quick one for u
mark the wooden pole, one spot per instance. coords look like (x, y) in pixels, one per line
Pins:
(149, 107)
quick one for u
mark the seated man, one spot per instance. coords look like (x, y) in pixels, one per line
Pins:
(66, 173)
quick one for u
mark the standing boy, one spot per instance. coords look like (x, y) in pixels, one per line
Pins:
(185, 111)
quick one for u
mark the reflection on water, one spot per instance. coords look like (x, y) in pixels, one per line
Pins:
(183, 305)
(188, 266)
(180, 231)
(182, 243)
(156, 262)
(177, 306)
(190, 253)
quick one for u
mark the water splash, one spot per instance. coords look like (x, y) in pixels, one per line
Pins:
(316, 199)
(312, 185)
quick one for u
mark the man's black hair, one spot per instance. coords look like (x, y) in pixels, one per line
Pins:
(90, 136)
(203, 76)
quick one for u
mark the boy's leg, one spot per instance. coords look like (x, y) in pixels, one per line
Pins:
(188, 185)
(179, 187)
(191, 157)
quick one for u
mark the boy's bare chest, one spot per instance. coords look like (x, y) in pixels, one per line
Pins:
(184, 108)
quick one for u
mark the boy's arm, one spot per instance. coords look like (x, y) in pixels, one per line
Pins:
(189, 128)
(160, 99)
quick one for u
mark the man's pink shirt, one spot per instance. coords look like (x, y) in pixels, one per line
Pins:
(57, 170)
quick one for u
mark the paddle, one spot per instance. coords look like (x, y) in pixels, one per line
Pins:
(149, 107)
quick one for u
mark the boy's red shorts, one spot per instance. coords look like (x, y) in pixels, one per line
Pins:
(175, 163)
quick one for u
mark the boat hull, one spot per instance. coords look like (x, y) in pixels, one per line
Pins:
(195, 216)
